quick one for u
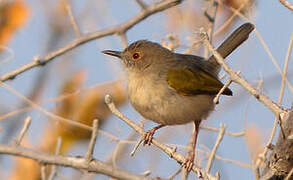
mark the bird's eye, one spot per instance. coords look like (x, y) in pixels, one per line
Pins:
(136, 56)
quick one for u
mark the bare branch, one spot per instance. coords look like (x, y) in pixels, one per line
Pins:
(53, 170)
(286, 4)
(26, 125)
(211, 16)
(49, 114)
(229, 81)
(262, 156)
(136, 146)
(216, 99)
(124, 39)
(72, 20)
(73, 162)
(123, 27)
(89, 154)
(234, 134)
(175, 174)
(141, 4)
(213, 153)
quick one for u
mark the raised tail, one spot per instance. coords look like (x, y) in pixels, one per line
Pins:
(233, 41)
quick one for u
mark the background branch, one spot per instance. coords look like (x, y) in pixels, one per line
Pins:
(40, 61)
(73, 162)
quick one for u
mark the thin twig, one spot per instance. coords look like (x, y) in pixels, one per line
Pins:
(54, 168)
(228, 82)
(73, 20)
(234, 134)
(211, 16)
(146, 173)
(136, 146)
(124, 39)
(213, 153)
(168, 150)
(175, 174)
(26, 125)
(10, 56)
(49, 114)
(228, 21)
(216, 99)
(61, 97)
(123, 27)
(286, 4)
(141, 4)
(90, 151)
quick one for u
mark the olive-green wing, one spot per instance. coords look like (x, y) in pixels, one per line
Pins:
(187, 82)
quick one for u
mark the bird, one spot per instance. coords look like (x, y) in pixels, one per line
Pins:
(170, 88)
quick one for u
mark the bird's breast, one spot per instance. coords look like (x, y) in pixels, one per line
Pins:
(155, 100)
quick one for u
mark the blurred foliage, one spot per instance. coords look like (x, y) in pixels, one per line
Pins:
(254, 141)
(13, 15)
(80, 106)
(189, 16)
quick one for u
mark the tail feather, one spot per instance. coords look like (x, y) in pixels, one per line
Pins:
(233, 41)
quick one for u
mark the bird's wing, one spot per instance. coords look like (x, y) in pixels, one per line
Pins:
(189, 82)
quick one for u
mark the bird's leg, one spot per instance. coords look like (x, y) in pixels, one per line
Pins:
(189, 161)
(148, 136)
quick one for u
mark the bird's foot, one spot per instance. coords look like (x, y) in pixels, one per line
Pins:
(189, 162)
(148, 137)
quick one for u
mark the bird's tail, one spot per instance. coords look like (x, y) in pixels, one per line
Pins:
(233, 41)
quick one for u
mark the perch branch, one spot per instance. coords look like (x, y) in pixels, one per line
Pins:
(168, 150)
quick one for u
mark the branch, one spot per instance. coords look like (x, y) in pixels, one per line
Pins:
(280, 161)
(123, 27)
(26, 125)
(89, 154)
(73, 162)
(286, 4)
(275, 108)
(168, 150)
(213, 153)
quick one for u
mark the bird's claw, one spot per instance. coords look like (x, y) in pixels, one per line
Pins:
(148, 137)
(188, 163)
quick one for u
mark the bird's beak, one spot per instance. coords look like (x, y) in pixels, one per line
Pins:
(113, 53)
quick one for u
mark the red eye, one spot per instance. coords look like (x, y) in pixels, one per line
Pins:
(135, 56)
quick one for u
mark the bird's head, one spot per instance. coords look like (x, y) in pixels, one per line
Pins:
(140, 55)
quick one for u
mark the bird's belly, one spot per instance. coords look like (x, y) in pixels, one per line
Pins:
(163, 105)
